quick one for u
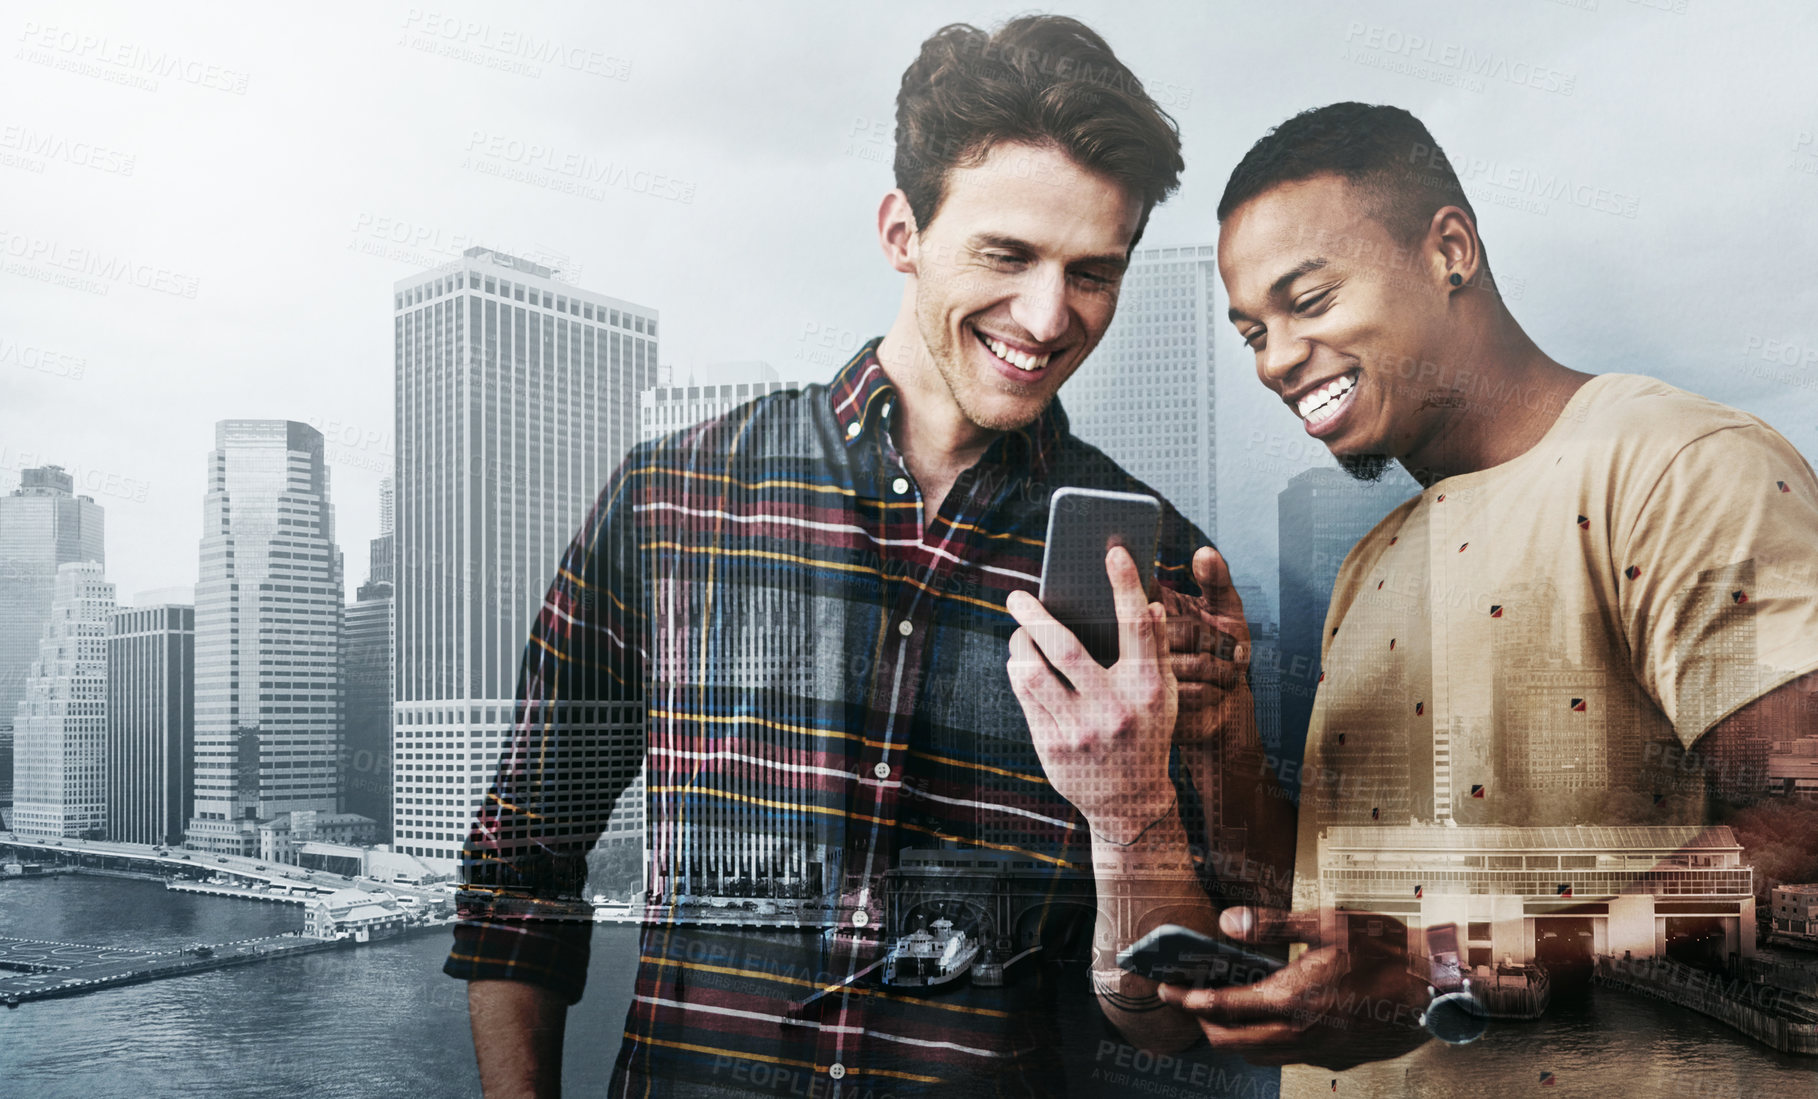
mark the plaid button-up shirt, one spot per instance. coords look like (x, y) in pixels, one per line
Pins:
(821, 663)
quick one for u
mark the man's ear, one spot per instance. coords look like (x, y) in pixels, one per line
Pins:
(896, 232)
(1453, 247)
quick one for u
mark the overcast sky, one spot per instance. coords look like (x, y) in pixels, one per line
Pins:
(263, 175)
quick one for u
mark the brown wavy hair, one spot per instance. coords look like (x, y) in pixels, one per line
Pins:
(1040, 79)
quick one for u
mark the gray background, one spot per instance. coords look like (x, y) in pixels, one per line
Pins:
(287, 165)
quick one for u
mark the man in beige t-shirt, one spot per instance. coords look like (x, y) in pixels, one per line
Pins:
(1548, 675)
(1540, 642)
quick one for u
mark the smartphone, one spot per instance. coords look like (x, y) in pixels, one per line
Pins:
(1083, 525)
(1177, 955)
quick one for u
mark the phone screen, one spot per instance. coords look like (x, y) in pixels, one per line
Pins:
(1083, 525)
(1177, 955)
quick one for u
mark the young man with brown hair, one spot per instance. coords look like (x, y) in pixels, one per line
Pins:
(807, 598)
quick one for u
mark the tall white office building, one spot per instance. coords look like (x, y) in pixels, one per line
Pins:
(517, 395)
(43, 524)
(268, 635)
(1144, 397)
(60, 726)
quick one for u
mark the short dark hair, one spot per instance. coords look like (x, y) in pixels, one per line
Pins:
(1383, 151)
(1041, 79)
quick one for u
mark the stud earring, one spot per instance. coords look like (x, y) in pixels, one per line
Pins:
(1457, 279)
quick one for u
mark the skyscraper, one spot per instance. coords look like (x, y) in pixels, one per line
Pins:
(268, 635)
(42, 525)
(1144, 397)
(367, 668)
(662, 411)
(387, 501)
(1321, 515)
(151, 722)
(517, 394)
(60, 726)
(667, 408)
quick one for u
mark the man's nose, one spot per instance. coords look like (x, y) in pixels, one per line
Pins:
(1279, 359)
(1040, 307)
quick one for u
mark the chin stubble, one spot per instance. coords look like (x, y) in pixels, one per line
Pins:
(1368, 468)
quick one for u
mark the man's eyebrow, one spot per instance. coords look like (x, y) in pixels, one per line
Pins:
(1118, 260)
(1286, 280)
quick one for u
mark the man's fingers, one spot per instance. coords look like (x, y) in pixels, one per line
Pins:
(1214, 579)
(1187, 632)
(1195, 696)
(1136, 624)
(1055, 641)
(1264, 1002)
(1228, 647)
(1269, 925)
(1035, 684)
(1202, 669)
(1294, 993)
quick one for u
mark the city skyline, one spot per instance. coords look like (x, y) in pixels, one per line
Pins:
(1590, 202)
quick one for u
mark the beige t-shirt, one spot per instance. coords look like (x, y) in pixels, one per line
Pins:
(1533, 644)
(1539, 643)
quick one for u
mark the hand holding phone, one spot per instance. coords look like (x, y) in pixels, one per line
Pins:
(1083, 525)
(1177, 955)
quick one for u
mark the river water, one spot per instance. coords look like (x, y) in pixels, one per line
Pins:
(382, 1021)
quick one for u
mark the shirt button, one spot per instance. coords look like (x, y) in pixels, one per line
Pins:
(861, 918)
(905, 627)
(837, 1071)
(900, 485)
(852, 430)
(882, 770)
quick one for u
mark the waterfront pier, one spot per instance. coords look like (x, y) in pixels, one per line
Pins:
(65, 969)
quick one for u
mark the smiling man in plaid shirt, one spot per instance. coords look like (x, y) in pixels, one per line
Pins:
(807, 598)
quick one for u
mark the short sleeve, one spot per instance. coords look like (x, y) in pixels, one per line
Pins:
(1717, 576)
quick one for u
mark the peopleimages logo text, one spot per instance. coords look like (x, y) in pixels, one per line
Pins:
(465, 34)
(1459, 58)
(545, 165)
(92, 264)
(47, 42)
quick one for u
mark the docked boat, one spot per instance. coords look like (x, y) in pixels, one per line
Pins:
(1511, 991)
(928, 959)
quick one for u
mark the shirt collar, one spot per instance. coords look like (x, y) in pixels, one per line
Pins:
(861, 394)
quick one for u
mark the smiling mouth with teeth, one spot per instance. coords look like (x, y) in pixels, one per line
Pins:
(1024, 362)
(1323, 403)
